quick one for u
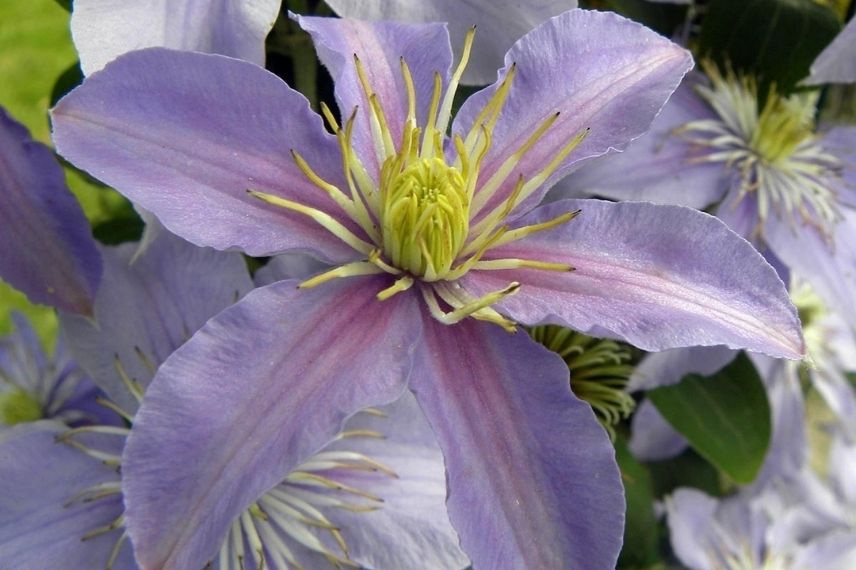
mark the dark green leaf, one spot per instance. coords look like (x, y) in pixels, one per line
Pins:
(665, 18)
(641, 538)
(776, 39)
(726, 417)
(67, 80)
(688, 469)
(128, 226)
(66, 4)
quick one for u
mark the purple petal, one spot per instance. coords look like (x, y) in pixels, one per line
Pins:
(38, 477)
(658, 166)
(288, 266)
(532, 476)
(657, 276)
(834, 551)
(841, 143)
(149, 306)
(652, 437)
(842, 466)
(412, 529)
(691, 514)
(670, 366)
(48, 251)
(615, 77)
(105, 29)
(380, 47)
(830, 268)
(256, 391)
(836, 63)
(185, 135)
(839, 395)
(500, 23)
(788, 448)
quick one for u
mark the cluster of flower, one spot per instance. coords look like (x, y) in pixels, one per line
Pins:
(370, 397)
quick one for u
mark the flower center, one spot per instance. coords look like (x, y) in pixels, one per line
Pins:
(19, 406)
(431, 216)
(774, 151)
(424, 215)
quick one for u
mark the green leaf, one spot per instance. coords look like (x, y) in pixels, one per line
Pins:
(67, 80)
(641, 537)
(726, 417)
(775, 39)
(664, 18)
(688, 469)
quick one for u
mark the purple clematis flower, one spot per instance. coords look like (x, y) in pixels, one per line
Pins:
(435, 244)
(772, 175)
(48, 251)
(105, 29)
(380, 482)
(36, 386)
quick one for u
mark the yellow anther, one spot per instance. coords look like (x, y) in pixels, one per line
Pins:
(399, 286)
(324, 219)
(430, 125)
(328, 115)
(446, 107)
(411, 91)
(513, 263)
(464, 311)
(521, 233)
(348, 270)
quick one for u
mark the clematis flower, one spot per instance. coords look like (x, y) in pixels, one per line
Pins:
(105, 29)
(434, 243)
(770, 174)
(379, 482)
(48, 251)
(35, 386)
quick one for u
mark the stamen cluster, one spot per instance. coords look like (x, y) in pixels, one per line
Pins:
(424, 218)
(779, 158)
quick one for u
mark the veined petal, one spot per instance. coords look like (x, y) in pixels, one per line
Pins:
(830, 267)
(840, 141)
(836, 63)
(380, 46)
(150, 305)
(652, 438)
(670, 366)
(616, 76)
(256, 391)
(289, 266)
(500, 23)
(38, 528)
(532, 476)
(185, 135)
(657, 167)
(48, 251)
(657, 276)
(105, 29)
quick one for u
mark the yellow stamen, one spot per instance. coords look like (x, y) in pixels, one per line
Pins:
(324, 219)
(348, 270)
(446, 107)
(399, 286)
(521, 233)
(462, 312)
(513, 263)
(328, 115)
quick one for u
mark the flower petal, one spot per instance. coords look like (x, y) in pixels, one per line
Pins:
(836, 63)
(150, 305)
(412, 529)
(185, 135)
(380, 47)
(38, 528)
(656, 276)
(105, 29)
(670, 366)
(658, 166)
(652, 438)
(256, 391)
(48, 251)
(616, 76)
(830, 268)
(500, 23)
(532, 476)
